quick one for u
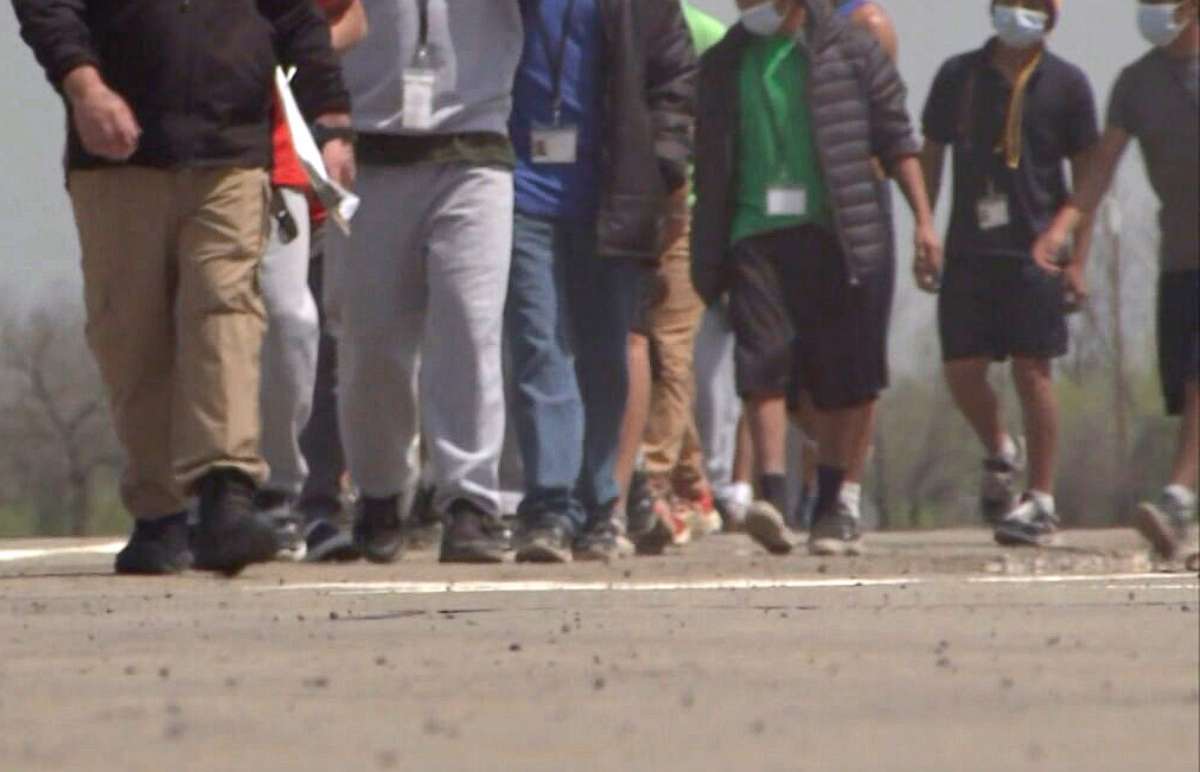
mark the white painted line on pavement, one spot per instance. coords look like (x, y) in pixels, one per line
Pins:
(426, 588)
(519, 586)
(1065, 578)
(109, 548)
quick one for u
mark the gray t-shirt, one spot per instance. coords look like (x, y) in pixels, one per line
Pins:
(1155, 100)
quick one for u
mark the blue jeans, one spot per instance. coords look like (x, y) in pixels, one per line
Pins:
(568, 315)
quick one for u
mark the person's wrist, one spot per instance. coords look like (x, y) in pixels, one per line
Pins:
(82, 82)
(323, 134)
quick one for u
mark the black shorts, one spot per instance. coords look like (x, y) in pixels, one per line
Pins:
(1178, 336)
(800, 326)
(999, 307)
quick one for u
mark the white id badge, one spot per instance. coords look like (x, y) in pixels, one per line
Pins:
(554, 144)
(992, 210)
(417, 110)
(787, 201)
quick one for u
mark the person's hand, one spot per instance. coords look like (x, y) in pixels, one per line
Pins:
(927, 257)
(102, 118)
(1048, 250)
(1075, 287)
(338, 155)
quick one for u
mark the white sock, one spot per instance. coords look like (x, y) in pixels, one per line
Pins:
(741, 492)
(1045, 501)
(1181, 495)
(1008, 450)
(851, 497)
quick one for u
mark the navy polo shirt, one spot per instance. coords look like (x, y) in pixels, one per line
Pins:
(967, 108)
(559, 191)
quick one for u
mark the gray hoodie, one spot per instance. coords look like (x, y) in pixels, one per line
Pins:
(476, 46)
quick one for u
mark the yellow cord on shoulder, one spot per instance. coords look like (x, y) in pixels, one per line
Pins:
(1011, 141)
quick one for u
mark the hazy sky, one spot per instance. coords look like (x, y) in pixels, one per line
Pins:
(37, 240)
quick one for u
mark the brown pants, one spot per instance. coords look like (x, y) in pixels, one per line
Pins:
(175, 320)
(671, 445)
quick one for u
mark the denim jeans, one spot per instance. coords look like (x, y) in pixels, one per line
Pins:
(568, 314)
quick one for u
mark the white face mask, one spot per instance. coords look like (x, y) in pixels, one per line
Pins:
(1019, 27)
(763, 19)
(1157, 23)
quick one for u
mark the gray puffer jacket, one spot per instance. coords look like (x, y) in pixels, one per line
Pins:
(857, 102)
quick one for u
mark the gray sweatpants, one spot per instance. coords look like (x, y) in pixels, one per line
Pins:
(289, 354)
(718, 406)
(423, 279)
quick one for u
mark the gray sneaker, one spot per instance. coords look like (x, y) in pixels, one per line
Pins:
(288, 522)
(1165, 525)
(998, 486)
(1027, 525)
(603, 540)
(765, 525)
(835, 533)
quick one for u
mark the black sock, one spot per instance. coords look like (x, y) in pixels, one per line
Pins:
(773, 489)
(829, 488)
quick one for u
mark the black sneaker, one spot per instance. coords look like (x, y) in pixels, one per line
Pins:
(545, 539)
(423, 528)
(602, 539)
(835, 533)
(326, 543)
(156, 547)
(231, 534)
(470, 536)
(377, 531)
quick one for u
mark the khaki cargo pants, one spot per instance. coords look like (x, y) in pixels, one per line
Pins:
(175, 320)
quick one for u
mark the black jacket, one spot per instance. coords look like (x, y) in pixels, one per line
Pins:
(649, 106)
(196, 73)
(857, 102)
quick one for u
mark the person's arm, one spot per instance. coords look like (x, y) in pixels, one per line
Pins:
(349, 27)
(1090, 188)
(927, 245)
(876, 21)
(671, 71)
(302, 39)
(933, 161)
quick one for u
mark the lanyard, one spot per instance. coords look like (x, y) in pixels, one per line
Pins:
(557, 60)
(776, 121)
(423, 34)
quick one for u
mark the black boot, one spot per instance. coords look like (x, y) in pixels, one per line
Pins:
(377, 531)
(471, 536)
(231, 533)
(158, 546)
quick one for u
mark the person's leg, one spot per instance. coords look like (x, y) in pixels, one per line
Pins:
(546, 410)
(124, 219)
(220, 323)
(470, 237)
(718, 409)
(289, 356)
(1039, 406)
(321, 441)
(841, 346)
(1166, 522)
(637, 410)
(603, 293)
(381, 297)
(977, 401)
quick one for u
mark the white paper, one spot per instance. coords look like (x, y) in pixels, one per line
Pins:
(417, 110)
(339, 202)
(993, 212)
(556, 145)
(787, 201)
